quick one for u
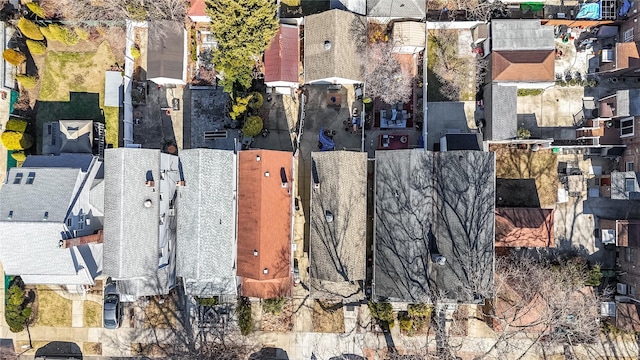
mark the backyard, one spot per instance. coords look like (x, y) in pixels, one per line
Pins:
(161, 313)
(328, 317)
(450, 71)
(53, 309)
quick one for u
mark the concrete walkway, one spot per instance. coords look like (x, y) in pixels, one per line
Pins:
(77, 314)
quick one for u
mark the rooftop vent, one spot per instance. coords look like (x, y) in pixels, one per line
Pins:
(46, 215)
(10, 215)
(329, 216)
(148, 203)
(265, 271)
(180, 183)
(327, 45)
(266, 174)
(438, 259)
(255, 252)
(149, 183)
(257, 157)
(283, 177)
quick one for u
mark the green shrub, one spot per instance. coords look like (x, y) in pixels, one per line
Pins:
(16, 141)
(136, 11)
(273, 306)
(252, 126)
(383, 311)
(62, 34)
(83, 34)
(574, 82)
(239, 107)
(135, 52)
(19, 156)
(208, 301)
(29, 29)
(419, 310)
(13, 57)
(17, 310)
(243, 310)
(561, 83)
(595, 276)
(36, 47)
(16, 125)
(46, 32)
(255, 100)
(36, 10)
(530, 92)
(405, 322)
(27, 81)
(524, 133)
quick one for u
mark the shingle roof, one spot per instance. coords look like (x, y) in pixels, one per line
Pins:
(433, 203)
(523, 65)
(409, 33)
(197, 8)
(524, 227)
(501, 111)
(166, 50)
(330, 47)
(132, 215)
(76, 136)
(282, 56)
(521, 34)
(51, 192)
(337, 247)
(405, 8)
(73, 161)
(264, 218)
(207, 222)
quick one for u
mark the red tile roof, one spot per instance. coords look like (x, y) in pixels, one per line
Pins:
(282, 56)
(264, 222)
(523, 65)
(524, 227)
(197, 8)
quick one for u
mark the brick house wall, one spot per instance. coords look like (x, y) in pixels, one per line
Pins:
(629, 260)
(633, 22)
(632, 152)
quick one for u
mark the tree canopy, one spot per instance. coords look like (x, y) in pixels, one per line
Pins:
(243, 29)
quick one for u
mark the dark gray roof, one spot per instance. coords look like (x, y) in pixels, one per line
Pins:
(76, 136)
(337, 248)
(501, 112)
(73, 161)
(389, 8)
(628, 102)
(463, 141)
(132, 215)
(434, 203)
(166, 54)
(330, 46)
(51, 192)
(521, 34)
(207, 222)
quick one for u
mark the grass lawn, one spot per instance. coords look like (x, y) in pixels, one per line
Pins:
(72, 87)
(434, 84)
(542, 166)
(92, 314)
(91, 348)
(53, 309)
(328, 317)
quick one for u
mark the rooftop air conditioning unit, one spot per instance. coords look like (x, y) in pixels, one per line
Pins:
(561, 15)
(607, 55)
(621, 289)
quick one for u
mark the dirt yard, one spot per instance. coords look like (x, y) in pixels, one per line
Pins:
(161, 313)
(280, 323)
(328, 317)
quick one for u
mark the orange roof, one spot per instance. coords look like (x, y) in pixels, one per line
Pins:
(264, 218)
(197, 8)
(523, 65)
(524, 227)
(267, 289)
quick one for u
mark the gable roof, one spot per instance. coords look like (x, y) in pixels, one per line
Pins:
(409, 33)
(166, 50)
(264, 218)
(427, 204)
(523, 65)
(282, 55)
(197, 8)
(524, 227)
(131, 221)
(330, 47)
(405, 8)
(207, 222)
(337, 247)
(51, 192)
(521, 34)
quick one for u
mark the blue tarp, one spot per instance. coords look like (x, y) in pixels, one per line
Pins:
(589, 11)
(624, 9)
(326, 142)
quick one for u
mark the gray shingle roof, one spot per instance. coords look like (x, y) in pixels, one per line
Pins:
(329, 46)
(521, 34)
(52, 191)
(434, 203)
(166, 50)
(207, 222)
(501, 112)
(389, 8)
(628, 102)
(337, 248)
(73, 161)
(132, 216)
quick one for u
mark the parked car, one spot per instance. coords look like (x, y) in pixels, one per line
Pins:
(112, 309)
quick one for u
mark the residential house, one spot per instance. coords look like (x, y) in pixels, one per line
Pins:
(354, 6)
(52, 216)
(625, 235)
(282, 59)
(265, 185)
(330, 54)
(338, 225)
(167, 53)
(460, 141)
(140, 222)
(409, 37)
(522, 55)
(197, 13)
(385, 11)
(206, 254)
(434, 226)
(73, 136)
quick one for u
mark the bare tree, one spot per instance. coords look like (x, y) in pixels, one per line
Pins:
(114, 10)
(451, 69)
(383, 75)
